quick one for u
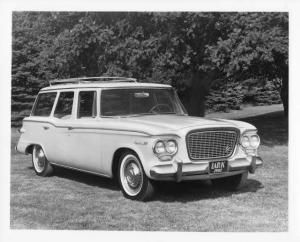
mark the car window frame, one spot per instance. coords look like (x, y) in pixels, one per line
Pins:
(36, 100)
(95, 100)
(73, 104)
(184, 112)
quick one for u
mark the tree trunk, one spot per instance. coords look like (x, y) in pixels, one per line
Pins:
(197, 97)
(283, 71)
(193, 95)
(284, 94)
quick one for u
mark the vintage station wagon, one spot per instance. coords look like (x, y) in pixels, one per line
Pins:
(135, 132)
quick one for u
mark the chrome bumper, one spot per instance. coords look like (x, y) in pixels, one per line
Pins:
(179, 171)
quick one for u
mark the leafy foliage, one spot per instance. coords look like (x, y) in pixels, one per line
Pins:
(192, 51)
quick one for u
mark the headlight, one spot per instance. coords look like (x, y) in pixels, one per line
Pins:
(254, 141)
(245, 142)
(159, 147)
(250, 141)
(165, 149)
(171, 147)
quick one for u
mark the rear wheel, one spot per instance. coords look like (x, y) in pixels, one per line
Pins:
(132, 179)
(41, 165)
(232, 182)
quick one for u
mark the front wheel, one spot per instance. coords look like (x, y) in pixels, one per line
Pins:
(132, 179)
(41, 165)
(231, 182)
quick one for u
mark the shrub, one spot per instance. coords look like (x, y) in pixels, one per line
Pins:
(226, 96)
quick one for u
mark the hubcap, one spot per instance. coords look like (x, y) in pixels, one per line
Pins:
(131, 175)
(39, 159)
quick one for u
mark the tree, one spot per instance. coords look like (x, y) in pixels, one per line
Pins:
(189, 50)
(183, 39)
(255, 48)
(160, 47)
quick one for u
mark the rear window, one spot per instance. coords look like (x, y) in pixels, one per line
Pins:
(44, 103)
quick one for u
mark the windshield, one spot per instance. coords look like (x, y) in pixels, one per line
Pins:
(140, 101)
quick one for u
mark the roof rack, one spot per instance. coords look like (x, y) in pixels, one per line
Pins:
(100, 79)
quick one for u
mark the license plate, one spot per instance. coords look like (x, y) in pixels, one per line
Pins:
(217, 166)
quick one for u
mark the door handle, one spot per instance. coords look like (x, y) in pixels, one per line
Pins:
(70, 128)
(46, 127)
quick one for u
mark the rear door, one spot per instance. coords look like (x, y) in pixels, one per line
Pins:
(86, 135)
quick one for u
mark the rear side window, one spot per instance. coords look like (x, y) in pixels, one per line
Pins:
(87, 104)
(44, 103)
(64, 105)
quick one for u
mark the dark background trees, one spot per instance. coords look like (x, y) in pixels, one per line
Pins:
(226, 58)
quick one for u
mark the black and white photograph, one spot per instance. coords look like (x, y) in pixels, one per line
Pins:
(149, 120)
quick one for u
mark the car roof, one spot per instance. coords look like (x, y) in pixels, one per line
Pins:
(100, 82)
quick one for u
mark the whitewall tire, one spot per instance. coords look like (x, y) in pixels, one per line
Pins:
(132, 179)
(41, 165)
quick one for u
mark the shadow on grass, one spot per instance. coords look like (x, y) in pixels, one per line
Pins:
(272, 128)
(86, 178)
(165, 191)
(198, 190)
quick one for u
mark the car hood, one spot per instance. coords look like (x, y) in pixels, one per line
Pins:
(156, 124)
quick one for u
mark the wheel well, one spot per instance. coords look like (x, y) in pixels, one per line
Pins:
(116, 159)
(29, 149)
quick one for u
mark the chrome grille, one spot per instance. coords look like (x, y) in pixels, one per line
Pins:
(211, 144)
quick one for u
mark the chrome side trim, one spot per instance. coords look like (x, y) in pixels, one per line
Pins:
(60, 126)
(78, 169)
(105, 129)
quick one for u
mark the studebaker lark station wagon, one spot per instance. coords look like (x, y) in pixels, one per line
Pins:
(135, 132)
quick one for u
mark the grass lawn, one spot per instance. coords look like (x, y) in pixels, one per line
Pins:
(74, 200)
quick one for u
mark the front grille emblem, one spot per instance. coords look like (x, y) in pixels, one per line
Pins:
(227, 148)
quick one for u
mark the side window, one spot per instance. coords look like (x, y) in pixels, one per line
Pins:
(64, 105)
(87, 104)
(44, 103)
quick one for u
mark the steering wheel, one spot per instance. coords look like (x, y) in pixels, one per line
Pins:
(152, 110)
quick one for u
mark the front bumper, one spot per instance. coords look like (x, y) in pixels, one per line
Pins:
(179, 171)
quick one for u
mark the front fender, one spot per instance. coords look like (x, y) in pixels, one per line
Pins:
(144, 151)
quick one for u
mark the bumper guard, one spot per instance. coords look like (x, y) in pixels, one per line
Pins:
(199, 171)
